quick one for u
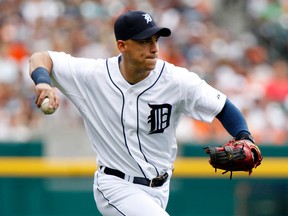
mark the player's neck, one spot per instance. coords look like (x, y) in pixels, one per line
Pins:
(132, 74)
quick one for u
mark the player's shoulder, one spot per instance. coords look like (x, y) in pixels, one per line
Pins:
(112, 61)
(64, 55)
(91, 64)
(177, 72)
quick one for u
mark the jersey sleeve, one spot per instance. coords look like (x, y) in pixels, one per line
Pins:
(201, 101)
(68, 75)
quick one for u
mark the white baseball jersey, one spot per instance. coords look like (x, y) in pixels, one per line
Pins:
(132, 127)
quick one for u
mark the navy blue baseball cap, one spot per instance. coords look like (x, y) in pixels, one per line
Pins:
(137, 25)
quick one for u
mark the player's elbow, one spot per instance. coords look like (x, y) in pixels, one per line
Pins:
(40, 59)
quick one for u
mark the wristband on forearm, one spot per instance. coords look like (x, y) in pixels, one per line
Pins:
(245, 136)
(41, 75)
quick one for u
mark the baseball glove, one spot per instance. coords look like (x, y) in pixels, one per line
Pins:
(240, 155)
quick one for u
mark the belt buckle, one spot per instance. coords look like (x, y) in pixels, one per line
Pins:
(159, 180)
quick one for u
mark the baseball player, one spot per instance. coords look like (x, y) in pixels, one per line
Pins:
(131, 105)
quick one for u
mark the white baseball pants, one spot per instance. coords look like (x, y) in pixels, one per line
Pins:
(115, 196)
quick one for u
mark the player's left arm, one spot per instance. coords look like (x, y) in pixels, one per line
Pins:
(240, 153)
(234, 122)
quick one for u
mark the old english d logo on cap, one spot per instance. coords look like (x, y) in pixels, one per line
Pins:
(137, 25)
(147, 17)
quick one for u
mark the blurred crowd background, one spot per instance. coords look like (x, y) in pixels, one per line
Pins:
(238, 46)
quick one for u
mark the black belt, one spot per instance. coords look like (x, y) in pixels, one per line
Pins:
(156, 182)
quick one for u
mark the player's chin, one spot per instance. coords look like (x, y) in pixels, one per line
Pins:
(151, 63)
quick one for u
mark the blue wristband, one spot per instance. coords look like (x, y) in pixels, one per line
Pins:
(246, 136)
(41, 75)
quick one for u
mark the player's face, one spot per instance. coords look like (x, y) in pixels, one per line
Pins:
(143, 53)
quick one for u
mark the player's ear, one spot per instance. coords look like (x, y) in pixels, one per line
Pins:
(121, 45)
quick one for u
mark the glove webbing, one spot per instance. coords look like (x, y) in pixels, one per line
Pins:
(228, 155)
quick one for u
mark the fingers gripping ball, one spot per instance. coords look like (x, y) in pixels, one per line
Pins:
(241, 155)
(45, 107)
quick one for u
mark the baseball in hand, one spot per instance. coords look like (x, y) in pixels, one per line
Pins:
(45, 107)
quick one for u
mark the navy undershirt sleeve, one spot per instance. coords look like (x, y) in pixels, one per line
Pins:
(233, 120)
